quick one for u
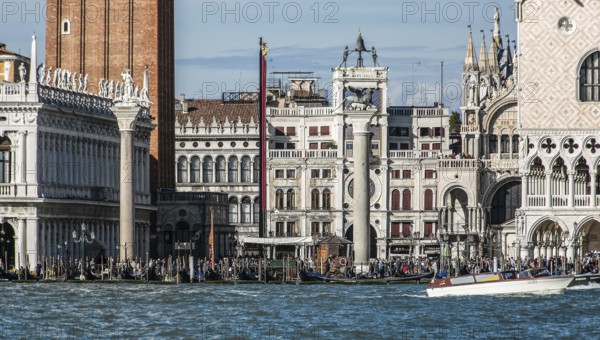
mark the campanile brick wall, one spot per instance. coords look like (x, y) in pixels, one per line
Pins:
(108, 36)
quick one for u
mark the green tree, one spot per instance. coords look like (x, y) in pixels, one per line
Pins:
(455, 120)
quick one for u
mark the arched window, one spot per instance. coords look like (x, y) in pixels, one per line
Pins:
(291, 199)
(182, 168)
(279, 199)
(65, 27)
(314, 199)
(195, 173)
(326, 199)
(220, 167)
(406, 200)
(428, 199)
(233, 210)
(396, 200)
(256, 175)
(207, 169)
(245, 169)
(233, 170)
(256, 208)
(589, 78)
(246, 213)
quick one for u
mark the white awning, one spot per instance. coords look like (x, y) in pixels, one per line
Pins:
(277, 240)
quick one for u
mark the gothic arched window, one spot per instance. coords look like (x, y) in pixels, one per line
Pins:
(589, 78)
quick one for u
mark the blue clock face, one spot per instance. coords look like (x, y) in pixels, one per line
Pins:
(371, 188)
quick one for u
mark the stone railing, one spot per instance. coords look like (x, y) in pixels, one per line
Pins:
(13, 92)
(469, 128)
(428, 112)
(459, 163)
(303, 153)
(501, 164)
(536, 200)
(582, 200)
(300, 111)
(70, 99)
(142, 198)
(560, 200)
(7, 190)
(416, 111)
(413, 154)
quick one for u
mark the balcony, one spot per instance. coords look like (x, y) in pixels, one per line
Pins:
(469, 128)
(13, 92)
(406, 154)
(299, 111)
(582, 200)
(459, 163)
(536, 200)
(7, 190)
(330, 153)
(560, 201)
(501, 164)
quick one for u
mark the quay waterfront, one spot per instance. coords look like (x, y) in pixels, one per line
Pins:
(259, 311)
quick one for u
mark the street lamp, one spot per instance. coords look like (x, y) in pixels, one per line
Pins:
(65, 254)
(83, 239)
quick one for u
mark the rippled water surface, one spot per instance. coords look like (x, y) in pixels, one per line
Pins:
(257, 311)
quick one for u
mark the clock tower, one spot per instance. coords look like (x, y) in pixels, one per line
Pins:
(360, 94)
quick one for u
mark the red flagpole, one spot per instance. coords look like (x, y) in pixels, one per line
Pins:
(263, 139)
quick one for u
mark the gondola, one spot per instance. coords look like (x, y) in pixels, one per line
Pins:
(409, 278)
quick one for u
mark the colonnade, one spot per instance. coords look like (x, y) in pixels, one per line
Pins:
(73, 165)
(206, 169)
(559, 188)
(53, 233)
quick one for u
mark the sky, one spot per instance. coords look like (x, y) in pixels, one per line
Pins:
(216, 42)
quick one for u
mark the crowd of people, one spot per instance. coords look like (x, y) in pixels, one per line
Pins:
(250, 268)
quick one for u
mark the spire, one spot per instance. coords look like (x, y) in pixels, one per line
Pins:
(508, 68)
(470, 58)
(496, 33)
(33, 61)
(493, 58)
(483, 59)
(32, 92)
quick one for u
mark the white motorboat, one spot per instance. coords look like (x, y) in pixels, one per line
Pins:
(530, 281)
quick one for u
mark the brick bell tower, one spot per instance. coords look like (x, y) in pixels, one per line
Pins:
(104, 37)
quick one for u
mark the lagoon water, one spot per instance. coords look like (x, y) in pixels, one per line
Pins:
(258, 311)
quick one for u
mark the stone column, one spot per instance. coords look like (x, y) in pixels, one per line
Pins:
(571, 199)
(548, 189)
(361, 229)
(127, 114)
(593, 189)
(21, 246)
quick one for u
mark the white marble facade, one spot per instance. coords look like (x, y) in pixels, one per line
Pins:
(60, 169)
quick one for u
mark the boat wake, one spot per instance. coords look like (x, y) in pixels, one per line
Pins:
(592, 285)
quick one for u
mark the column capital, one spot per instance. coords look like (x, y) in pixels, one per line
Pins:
(126, 114)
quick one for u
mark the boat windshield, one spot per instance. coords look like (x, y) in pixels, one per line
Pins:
(534, 272)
